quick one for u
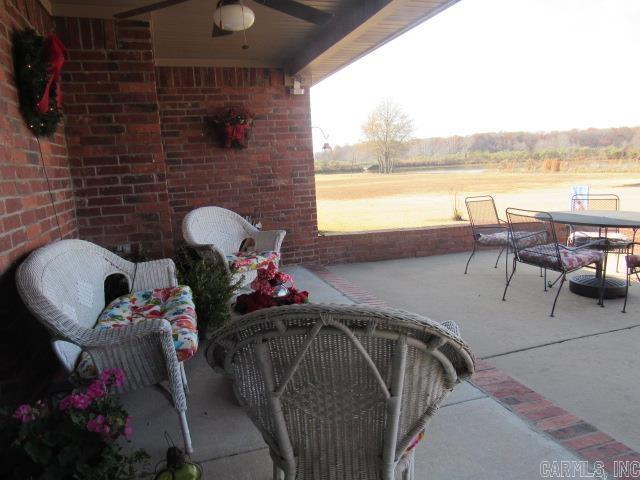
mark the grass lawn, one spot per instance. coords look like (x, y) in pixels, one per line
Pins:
(369, 201)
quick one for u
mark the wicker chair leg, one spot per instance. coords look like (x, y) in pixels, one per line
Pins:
(186, 436)
(473, 252)
(553, 309)
(185, 383)
(545, 279)
(504, 295)
(499, 255)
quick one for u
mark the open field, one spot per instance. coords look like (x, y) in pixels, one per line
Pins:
(369, 201)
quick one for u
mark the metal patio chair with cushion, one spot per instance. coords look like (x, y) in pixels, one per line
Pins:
(632, 263)
(487, 228)
(222, 233)
(579, 235)
(147, 334)
(536, 243)
(338, 391)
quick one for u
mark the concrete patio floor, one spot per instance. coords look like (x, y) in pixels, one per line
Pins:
(584, 360)
(471, 437)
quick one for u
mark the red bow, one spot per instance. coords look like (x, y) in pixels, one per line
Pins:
(55, 57)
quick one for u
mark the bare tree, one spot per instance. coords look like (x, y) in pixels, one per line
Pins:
(387, 130)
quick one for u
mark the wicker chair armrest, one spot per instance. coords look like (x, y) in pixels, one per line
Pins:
(91, 338)
(155, 274)
(269, 239)
(145, 352)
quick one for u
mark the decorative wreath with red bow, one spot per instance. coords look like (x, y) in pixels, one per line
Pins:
(234, 127)
(38, 64)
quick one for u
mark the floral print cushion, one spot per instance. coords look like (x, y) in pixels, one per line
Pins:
(633, 261)
(245, 261)
(174, 304)
(546, 255)
(524, 239)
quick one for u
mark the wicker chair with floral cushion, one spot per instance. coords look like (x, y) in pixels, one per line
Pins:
(340, 392)
(536, 243)
(632, 263)
(147, 333)
(232, 240)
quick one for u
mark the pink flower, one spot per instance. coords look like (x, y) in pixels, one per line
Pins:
(24, 413)
(97, 424)
(79, 401)
(96, 389)
(112, 376)
(128, 430)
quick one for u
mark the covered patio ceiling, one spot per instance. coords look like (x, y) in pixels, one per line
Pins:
(182, 33)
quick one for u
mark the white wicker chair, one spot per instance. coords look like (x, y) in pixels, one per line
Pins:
(62, 284)
(340, 392)
(220, 231)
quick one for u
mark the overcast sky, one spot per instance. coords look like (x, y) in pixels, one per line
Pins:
(496, 65)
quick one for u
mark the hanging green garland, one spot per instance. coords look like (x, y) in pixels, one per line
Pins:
(36, 83)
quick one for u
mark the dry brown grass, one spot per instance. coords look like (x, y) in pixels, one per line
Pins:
(368, 201)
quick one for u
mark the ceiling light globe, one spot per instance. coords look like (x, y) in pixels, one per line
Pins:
(234, 17)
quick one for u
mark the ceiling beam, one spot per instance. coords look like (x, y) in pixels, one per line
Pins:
(342, 24)
(361, 18)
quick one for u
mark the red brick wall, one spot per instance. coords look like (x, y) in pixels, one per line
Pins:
(272, 180)
(27, 218)
(388, 244)
(113, 134)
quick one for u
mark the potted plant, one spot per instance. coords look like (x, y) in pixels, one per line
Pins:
(212, 285)
(75, 437)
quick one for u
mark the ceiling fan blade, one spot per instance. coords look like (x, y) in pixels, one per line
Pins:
(298, 10)
(149, 8)
(218, 32)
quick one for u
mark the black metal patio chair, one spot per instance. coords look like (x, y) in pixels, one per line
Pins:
(487, 228)
(536, 243)
(618, 241)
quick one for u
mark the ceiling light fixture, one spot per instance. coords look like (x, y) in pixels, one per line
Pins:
(233, 16)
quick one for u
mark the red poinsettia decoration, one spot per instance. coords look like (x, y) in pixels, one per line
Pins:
(235, 126)
(264, 285)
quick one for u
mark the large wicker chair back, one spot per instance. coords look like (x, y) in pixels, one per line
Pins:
(534, 238)
(337, 391)
(216, 226)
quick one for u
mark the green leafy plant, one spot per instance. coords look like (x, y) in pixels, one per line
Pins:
(212, 285)
(74, 438)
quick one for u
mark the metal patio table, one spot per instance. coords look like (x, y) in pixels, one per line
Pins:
(588, 285)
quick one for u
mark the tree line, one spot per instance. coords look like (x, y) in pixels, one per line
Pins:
(387, 144)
